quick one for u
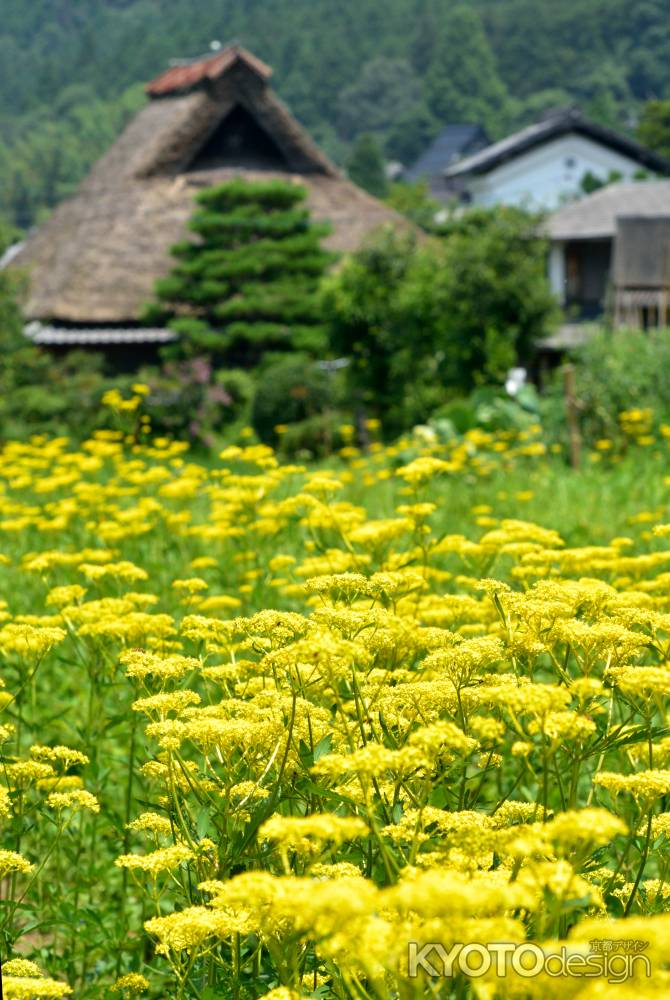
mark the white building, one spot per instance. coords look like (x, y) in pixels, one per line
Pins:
(542, 166)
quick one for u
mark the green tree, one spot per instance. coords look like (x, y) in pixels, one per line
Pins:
(423, 323)
(8, 235)
(290, 390)
(591, 182)
(605, 94)
(462, 82)
(653, 129)
(387, 102)
(414, 201)
(539, 104)
(52, 150)
(366, 166)
(485, 296)
(426, 19)
(248, 282)
(388, 374)
(11, 323)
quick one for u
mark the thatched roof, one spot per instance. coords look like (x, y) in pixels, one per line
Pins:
(97, 257)
(595, 216)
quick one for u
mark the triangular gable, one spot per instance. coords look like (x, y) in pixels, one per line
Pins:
(200, 112)
(239, 141)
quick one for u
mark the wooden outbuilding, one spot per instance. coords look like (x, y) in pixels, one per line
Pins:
(641, 272)
(610, 255)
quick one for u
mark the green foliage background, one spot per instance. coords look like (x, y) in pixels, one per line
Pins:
(423, 323)
(70, 71)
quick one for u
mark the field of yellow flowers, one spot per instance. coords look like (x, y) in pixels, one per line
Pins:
(365, 731)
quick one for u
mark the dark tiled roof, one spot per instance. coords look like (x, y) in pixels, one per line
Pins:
(62, 336)
(453, 141)
(552, 127)
(186, 76)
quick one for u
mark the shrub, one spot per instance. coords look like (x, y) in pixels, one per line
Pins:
(390, 374)
(11, 322)
(617, 371)
(414, 200)
(483, 299)
(240, 387)
(423, 323)
(492, 409)
(460, 413)
(290, 390)
(190, 399)
(40, 394)
(315, 437)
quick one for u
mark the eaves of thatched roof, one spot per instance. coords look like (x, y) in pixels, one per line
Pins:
(63, 336)
(98, 256)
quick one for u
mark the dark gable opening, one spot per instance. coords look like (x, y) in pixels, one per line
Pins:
(239, 141)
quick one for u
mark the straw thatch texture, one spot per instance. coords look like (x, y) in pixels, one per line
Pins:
(98, 256)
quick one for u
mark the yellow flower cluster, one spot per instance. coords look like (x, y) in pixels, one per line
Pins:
(321, 717)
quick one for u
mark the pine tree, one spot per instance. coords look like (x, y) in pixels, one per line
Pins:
(248, 282)
(366, 166)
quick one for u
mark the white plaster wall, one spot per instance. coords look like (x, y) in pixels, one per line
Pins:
(556, 270)
(549, 175)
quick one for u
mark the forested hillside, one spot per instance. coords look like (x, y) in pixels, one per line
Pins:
(71, 70)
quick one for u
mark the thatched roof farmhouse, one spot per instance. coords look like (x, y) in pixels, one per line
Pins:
(93, 265)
